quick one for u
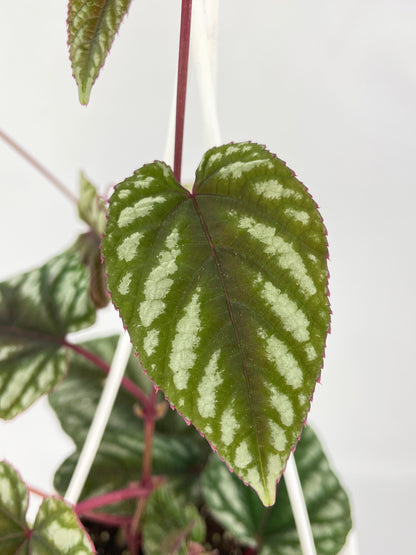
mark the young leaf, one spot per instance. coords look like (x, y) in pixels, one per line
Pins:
(56, 528)
(37, 310)
(92, 26)
(272, 530)
(170, 523)
(91, 207)
(224, 293)
(178, 450)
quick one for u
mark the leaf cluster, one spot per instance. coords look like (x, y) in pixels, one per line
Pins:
(223, 290)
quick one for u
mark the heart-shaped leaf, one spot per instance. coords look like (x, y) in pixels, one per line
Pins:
(56, 528)
(224, 293)
(92, 26)
(37, 310)
(272, 530)
(178, 450)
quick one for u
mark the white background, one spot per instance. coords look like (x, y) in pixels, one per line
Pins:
(330, 87)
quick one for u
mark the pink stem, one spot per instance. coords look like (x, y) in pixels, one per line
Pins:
(102, 365)
(112, 497)
(184, 41)
(46, 173)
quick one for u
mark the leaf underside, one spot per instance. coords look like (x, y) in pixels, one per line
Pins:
(272, 530)
(92, 26)
(37, 310)
(224, 293)
(56, 528)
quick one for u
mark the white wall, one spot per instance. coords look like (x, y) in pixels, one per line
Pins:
(330, 87)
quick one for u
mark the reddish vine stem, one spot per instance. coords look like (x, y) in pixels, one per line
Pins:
(112, 497)
(102, 365)
(149, 416)
(184, 41)
(46, 173)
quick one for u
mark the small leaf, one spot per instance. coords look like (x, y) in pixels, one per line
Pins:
(170, 523)
(37, 310)
(272, 530)
(92, 26)
(56, 528)
(224, 294)
(178, 450)
(91, 208)
(88, 246)
(14, 501)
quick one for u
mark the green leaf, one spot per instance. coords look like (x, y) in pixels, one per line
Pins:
(14, 501)
(178, 450)
(170, 523)
(91, 208)
(56, 528)
(272, 530)
(37, 310)
(92, 26)
(224, 294)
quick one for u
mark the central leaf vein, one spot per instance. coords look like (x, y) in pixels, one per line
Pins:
(233, 323)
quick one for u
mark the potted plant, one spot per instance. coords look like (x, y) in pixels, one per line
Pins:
(222, 287)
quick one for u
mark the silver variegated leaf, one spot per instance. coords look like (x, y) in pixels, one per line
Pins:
(224, 293)
(92, 26)
(56, 528)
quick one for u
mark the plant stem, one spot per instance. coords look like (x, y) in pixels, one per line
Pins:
(46, 173)
(149, 416)
(184, 40)
(128, 385)
(112, 497)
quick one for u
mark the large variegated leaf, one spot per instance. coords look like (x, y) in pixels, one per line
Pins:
(272, 530)
(37, 310)
(92, 26)
(56, 528)
(224, 293)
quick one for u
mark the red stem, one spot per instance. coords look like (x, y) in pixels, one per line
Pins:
(112, 497)
(46, 173)
(102, 365)
(184, 41)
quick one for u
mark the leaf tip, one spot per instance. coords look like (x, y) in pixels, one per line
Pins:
(84, 92)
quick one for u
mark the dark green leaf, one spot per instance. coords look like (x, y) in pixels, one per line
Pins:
(37, 310)
(272, 530)
(56, 528)
(92, 26)
(170, 523)
(224, 293)
(178, 450)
